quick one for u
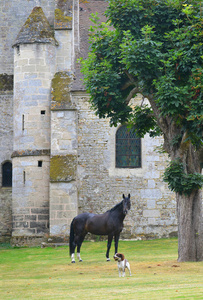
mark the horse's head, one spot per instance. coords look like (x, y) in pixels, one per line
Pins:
(126, 204)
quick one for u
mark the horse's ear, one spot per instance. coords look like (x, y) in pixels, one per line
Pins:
(129, 196)
(123, 196)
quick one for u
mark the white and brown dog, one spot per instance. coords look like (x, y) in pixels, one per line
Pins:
(122, 264)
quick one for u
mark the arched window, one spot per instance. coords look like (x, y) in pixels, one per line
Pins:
(7, 174)
(128, 148)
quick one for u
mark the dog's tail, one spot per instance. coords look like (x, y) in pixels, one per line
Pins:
(71, 239)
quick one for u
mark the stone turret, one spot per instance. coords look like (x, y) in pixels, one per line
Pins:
(34, 67)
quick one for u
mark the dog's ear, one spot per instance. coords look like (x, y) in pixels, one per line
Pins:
(122, 256)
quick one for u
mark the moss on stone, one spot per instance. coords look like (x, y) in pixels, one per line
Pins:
(63, 168)
(6, 82)
(60, 17)
(61, 87)
(36, 17)
(36, 29)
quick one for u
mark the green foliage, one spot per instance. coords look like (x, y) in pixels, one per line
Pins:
(155, 46)
(152, 47)
(179, 181)
(145, 122)
(141, 58)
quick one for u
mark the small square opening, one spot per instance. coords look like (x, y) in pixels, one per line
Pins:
(43, 112)
(40, 163)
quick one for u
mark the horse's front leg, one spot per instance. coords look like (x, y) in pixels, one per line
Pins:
(116, 239)
(110, 238)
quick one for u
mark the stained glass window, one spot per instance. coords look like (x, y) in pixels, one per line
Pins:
(7, 174)
(128, 148)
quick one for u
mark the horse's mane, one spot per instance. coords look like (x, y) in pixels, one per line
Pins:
(115, 207)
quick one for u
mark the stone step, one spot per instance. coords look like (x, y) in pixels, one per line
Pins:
(53, 245)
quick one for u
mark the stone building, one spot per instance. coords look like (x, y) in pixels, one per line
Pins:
(57, 158)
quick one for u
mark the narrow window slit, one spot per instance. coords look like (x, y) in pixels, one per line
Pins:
(24, 177)
(40, 163)
(18, 50)
(23, 122)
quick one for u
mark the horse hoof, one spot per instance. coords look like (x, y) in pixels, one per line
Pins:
(80, 260)
(73, 262)
(108, 259)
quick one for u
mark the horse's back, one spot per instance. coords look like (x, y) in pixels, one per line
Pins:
(84, 216)
(79, 222)
(101, 224)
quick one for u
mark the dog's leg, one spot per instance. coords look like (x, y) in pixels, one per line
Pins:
(119, 271)
(128, 267)
(123, 272)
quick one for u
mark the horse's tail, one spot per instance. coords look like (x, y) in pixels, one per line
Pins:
(71, 239)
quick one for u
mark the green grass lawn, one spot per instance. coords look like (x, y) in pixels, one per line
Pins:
(35, 273)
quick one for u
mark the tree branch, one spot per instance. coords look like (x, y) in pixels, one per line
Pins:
(135, 90)
(130, 77)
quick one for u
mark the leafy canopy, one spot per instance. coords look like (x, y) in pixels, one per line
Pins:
(152, 47)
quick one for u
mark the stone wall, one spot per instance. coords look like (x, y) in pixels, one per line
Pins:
(6, 126)
(6, 146)
(63, 171)
(101, 185)
(30, 195)
(5, 214)
(34, 69)
(63, 165)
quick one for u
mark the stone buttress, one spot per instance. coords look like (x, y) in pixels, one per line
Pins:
(64, 116)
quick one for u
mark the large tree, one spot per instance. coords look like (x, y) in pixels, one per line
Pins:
(155, 47)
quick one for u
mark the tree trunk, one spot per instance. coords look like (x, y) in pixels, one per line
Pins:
(190, 231)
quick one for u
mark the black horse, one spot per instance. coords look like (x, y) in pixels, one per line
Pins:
(110, 223)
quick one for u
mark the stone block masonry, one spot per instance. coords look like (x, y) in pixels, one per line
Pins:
(34, 69)
(63, 167)
(101, 184)
(30, 195)
(63, 207)
(5, 214)
(6, 146)
(32, 93)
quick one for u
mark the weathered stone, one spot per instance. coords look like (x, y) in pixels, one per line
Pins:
(39, 211)
(6, 82)
(63, 168)
(63, 14)
(61, 86)
(36, 29)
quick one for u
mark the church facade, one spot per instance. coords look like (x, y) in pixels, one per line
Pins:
(57, 157)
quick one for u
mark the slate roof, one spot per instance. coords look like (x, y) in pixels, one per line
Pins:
(36, 29)
(86, 8)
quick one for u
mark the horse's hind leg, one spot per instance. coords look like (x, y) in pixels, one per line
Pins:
(79, 244)
(73, 254)
(110, 238)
